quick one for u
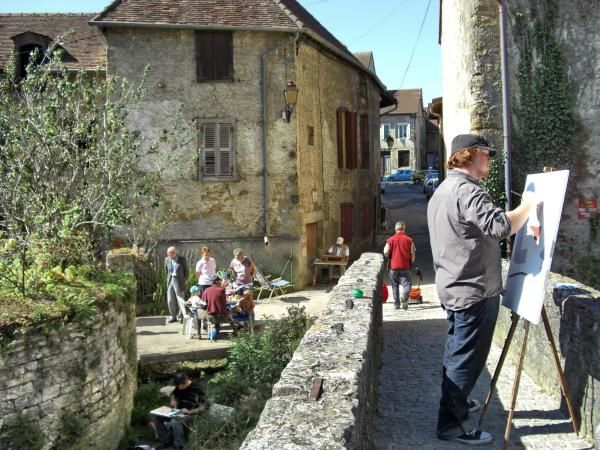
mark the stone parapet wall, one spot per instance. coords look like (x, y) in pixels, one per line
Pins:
(348, 361)
(575, 323)
(74, 385)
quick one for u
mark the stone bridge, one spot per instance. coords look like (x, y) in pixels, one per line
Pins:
(381, 370)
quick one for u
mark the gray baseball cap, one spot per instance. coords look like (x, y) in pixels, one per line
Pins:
(463, 141)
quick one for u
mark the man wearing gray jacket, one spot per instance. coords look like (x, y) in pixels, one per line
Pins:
(465, 230)
(176, 268)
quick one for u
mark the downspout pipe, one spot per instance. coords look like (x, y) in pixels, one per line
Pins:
(505, 104)
(263, 110)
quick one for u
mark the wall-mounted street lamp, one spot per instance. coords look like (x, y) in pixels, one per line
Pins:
(390, 142)
(291, 97)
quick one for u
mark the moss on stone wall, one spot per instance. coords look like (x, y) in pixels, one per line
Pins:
(545, 122)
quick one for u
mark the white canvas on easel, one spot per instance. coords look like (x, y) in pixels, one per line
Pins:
(525, 285)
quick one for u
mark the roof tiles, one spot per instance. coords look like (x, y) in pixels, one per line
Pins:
(86, 44)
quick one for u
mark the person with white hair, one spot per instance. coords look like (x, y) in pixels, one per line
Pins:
(176, 268)
(401, 251)
(244, 270)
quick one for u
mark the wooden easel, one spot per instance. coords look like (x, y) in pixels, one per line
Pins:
(561, 375)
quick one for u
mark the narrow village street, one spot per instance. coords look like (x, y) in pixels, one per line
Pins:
(410, 374)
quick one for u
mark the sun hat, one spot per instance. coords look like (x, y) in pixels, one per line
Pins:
(193, 289)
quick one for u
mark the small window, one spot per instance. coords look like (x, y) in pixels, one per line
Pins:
(310, 135)
(385, 131)
(363, 87)
(217, 152)
(214, 56)
(402, 131)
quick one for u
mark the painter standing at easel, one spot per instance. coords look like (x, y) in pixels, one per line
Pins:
(465, 229)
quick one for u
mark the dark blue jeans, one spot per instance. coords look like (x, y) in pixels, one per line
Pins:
(400, 284)
(468, 343)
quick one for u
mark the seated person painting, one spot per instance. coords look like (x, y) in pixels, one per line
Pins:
(339, 249)
(189, 398)
(216, 305)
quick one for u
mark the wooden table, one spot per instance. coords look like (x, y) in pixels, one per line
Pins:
(319, 263)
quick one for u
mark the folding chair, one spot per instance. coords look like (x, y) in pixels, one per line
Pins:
(188, 318)
(271, 285)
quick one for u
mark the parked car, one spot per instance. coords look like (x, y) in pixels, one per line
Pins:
(430, 186)
(429, 176)
(419, 176)
(400, 175)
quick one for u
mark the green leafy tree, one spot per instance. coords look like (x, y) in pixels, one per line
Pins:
(71, 167)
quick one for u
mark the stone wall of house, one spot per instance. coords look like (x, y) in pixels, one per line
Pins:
(574, 320)
(473, 99)
(218, 211)
(74, 385)
(344, 349)
(327, 83)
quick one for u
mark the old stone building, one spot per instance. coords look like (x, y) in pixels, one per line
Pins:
(554, 67)
(405, 124)
(254, 167)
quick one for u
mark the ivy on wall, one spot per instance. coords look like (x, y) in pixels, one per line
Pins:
(545, 123)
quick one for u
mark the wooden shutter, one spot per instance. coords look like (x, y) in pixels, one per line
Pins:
(364, 141)
(346, 230)
(214, 55)
(340, 138)
(354, 140)
(348, 138)
(225, 150)
(209, 147)
(223, 51)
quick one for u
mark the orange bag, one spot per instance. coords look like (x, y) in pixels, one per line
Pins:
(384, 293)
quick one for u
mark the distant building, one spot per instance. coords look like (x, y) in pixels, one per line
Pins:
(406, 127)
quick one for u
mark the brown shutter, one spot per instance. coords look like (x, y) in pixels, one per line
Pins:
(223, 51)
(214, 55)
(346, 222)
(340, 138)
(353, 140)
(348, 138)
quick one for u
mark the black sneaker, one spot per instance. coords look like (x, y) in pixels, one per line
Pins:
(172, 321)
(397, 305)
(473, 437)
(474, 405)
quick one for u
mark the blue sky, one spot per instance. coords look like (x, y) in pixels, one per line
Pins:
(389, 28)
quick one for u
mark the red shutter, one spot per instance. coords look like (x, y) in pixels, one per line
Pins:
(348, 138)
(340, 138)
(346, 230)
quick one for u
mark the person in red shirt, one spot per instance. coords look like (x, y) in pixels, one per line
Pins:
(216, 304)
(400, 249)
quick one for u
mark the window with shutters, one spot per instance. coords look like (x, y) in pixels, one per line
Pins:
(214, 56)
(346, 222)
(217, 150)
(347, 139)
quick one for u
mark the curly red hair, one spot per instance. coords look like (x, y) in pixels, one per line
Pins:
(462, 158)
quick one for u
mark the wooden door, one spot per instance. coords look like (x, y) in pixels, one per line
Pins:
(311, 242)
(346, 229)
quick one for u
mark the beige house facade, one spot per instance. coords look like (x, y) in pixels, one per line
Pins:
(253, 169)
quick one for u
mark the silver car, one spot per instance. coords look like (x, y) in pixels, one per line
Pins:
(430, 186)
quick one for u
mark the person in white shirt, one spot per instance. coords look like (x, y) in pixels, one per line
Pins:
(206, 269)
(339, 249)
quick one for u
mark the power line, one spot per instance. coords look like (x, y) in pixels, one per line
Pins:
(415, 46)
(316, 3)
(387, 16)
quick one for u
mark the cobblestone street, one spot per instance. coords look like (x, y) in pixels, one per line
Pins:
(409, 390)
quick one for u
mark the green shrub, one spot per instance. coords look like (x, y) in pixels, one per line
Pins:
(147, 398)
